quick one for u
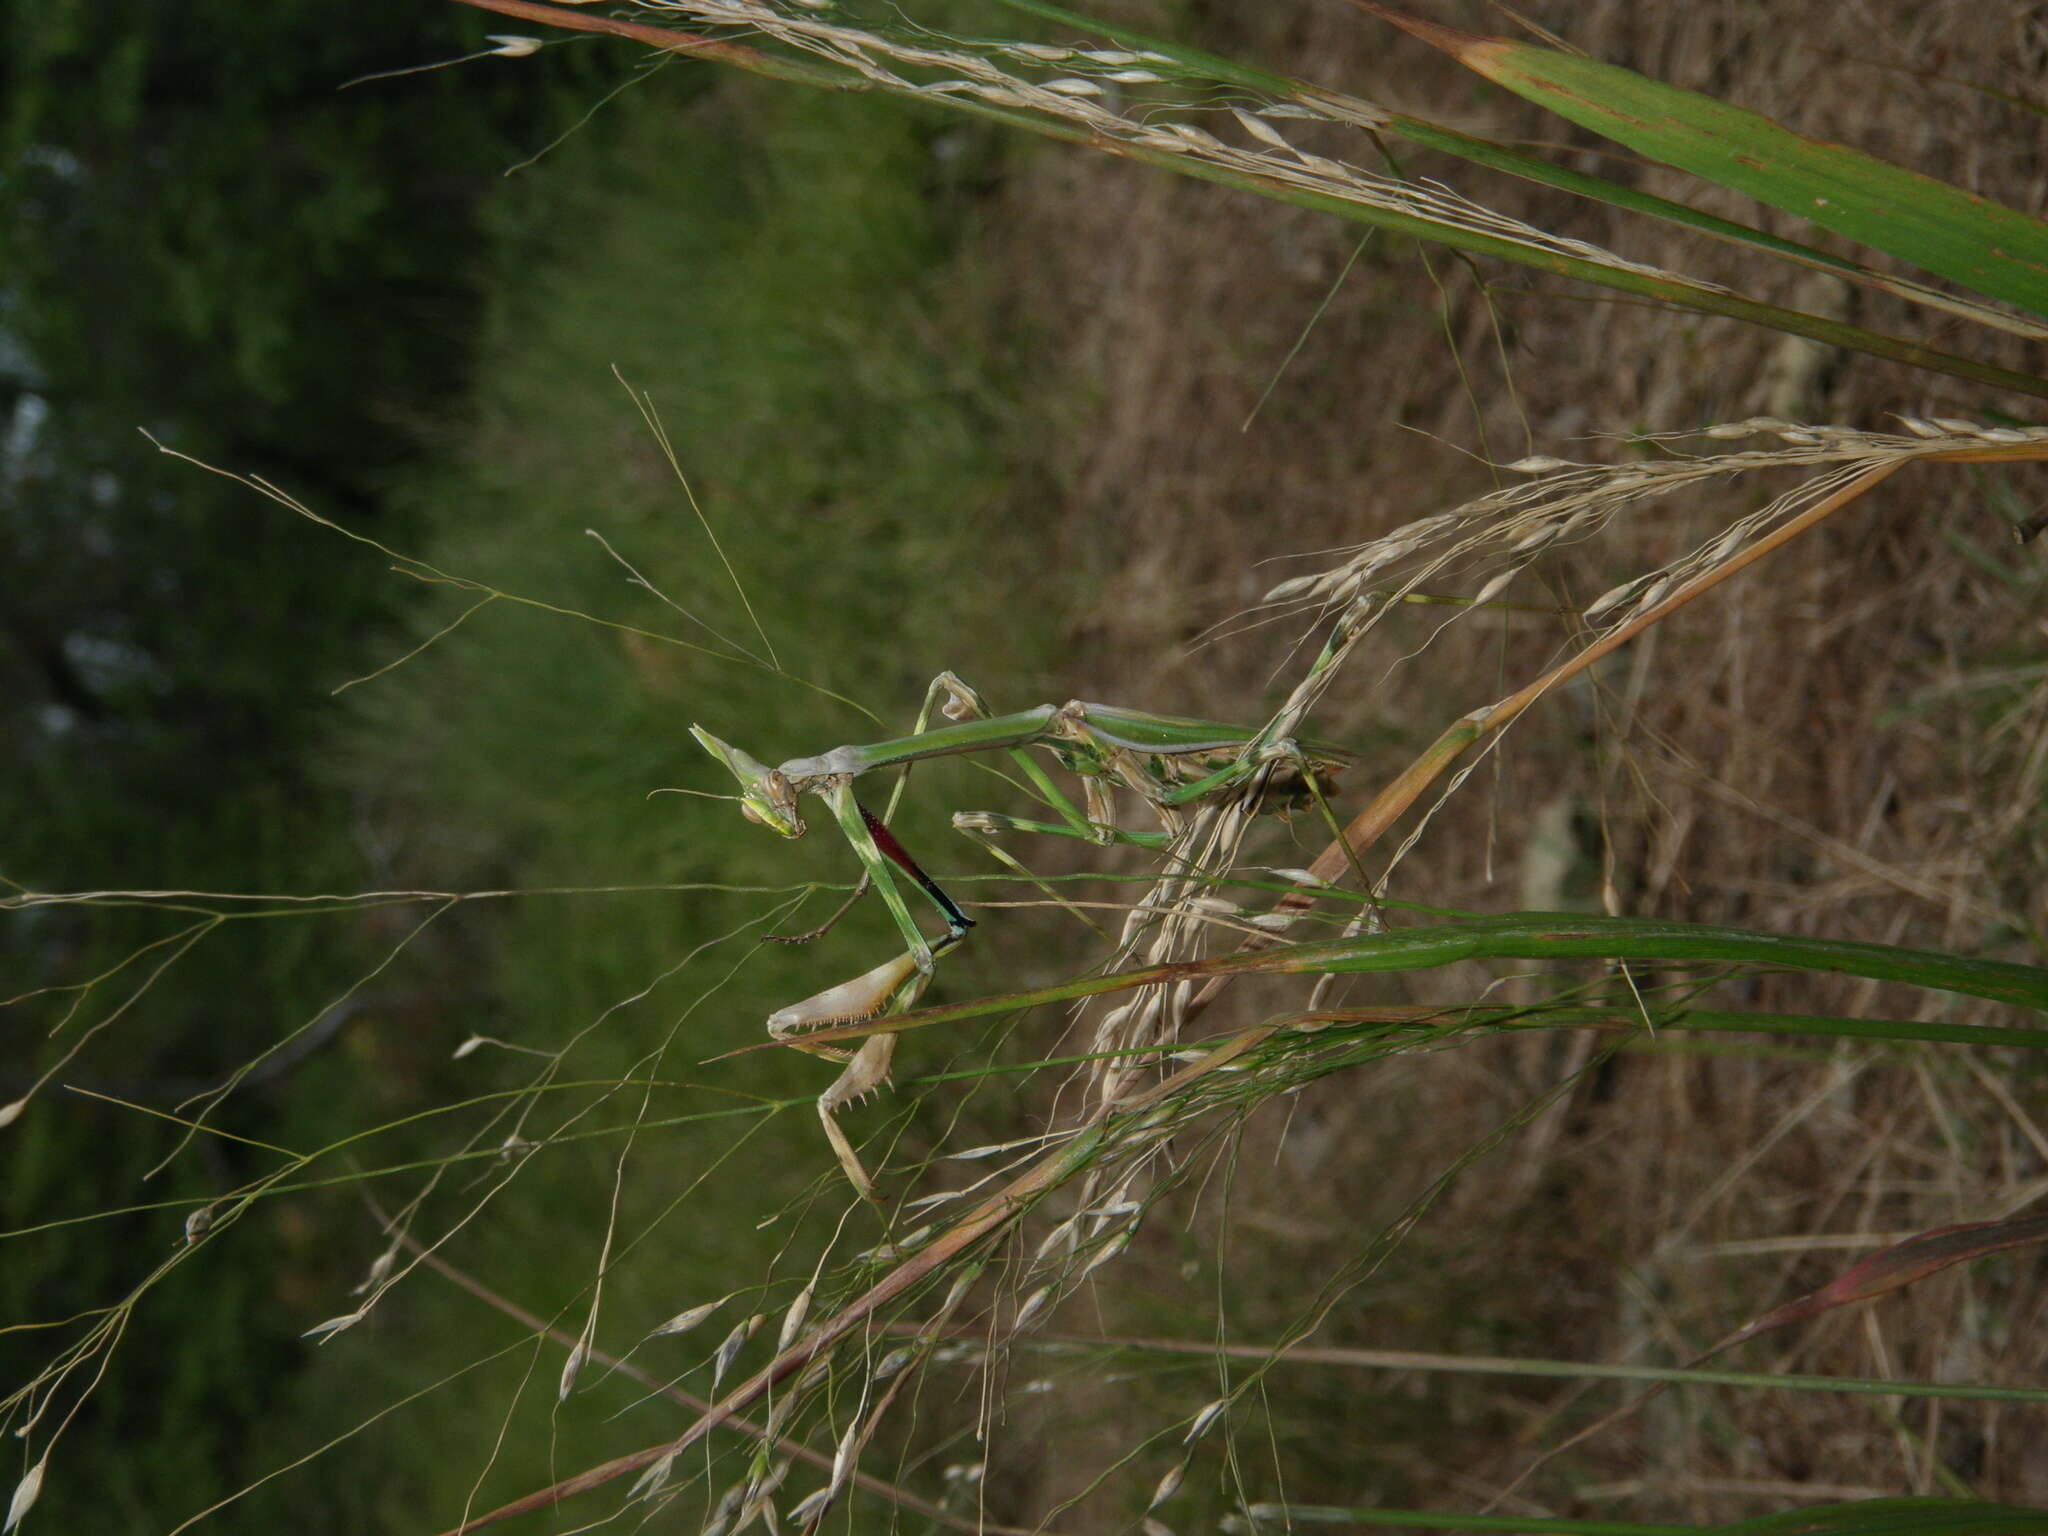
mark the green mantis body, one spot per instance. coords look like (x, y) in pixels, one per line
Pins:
(1169, 761)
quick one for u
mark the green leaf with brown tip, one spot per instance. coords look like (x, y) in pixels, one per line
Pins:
(1988, 248)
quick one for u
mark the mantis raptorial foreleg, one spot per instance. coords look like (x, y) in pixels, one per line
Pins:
(888, 989)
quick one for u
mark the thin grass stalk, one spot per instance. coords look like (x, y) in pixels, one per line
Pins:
(997, 1214)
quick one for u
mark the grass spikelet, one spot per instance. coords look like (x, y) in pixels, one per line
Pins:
(793, 1319)
(688, 1319)
(26, 1492)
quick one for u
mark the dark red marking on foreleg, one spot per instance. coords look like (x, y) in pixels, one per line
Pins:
(898, 855)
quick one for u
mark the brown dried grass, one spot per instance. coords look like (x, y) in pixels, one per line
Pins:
(1813, 749)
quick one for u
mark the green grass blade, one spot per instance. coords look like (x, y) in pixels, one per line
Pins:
(1868, 1517)
(1987, 248)
(1530, 936)
(1516, 162)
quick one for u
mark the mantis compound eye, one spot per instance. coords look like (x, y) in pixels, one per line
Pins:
(766, 797)
(772, 803)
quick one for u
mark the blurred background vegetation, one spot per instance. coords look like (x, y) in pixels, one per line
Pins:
(388, 300)
(949, 401)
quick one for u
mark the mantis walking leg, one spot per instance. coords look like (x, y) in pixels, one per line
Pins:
(888, 989)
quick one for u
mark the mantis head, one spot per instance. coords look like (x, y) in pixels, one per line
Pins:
(765, 795)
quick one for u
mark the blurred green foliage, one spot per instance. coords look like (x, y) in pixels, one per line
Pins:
(206, 239)
(338, 293)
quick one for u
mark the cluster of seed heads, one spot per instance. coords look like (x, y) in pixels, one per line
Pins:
(1561, 502)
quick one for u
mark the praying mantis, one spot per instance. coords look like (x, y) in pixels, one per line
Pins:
(1170, 762)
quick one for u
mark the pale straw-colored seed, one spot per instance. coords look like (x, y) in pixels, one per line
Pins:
(2005, 435)
(511, 47)
(1920, 428)
(973, 1154)
(1107, 1251)
(1535, 540)
(1728, 429)
(1215, 906)
(1727, 544)
(812, 1508)
(1034, 1304)
(889, 1253)
(1195, 136)
(9, 1113)
(926, 1202)
(1073, 85)
(1110, 56)
(1294, 586)
(728, 1506)
(651, 1482)
(1169, 1485)
(894, 1362)
(1612, 596)
(958, 1288)
(733, 1343)
(793, 1319)
(462, 1050)
(1210, 1413)
(333, 1325)
(1264, 132)
(1135, 77)
(1957, 424)
(1298, 876)
(683, 1322)
(571, 1369)
(842, 1458)
(25, 1493)
(1114, 1210)
(1041, 51)
(1655, 595)
(380, 1271)
(1057, 1237)
(1495, 587)
(1799, 438)
(1273, 922)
